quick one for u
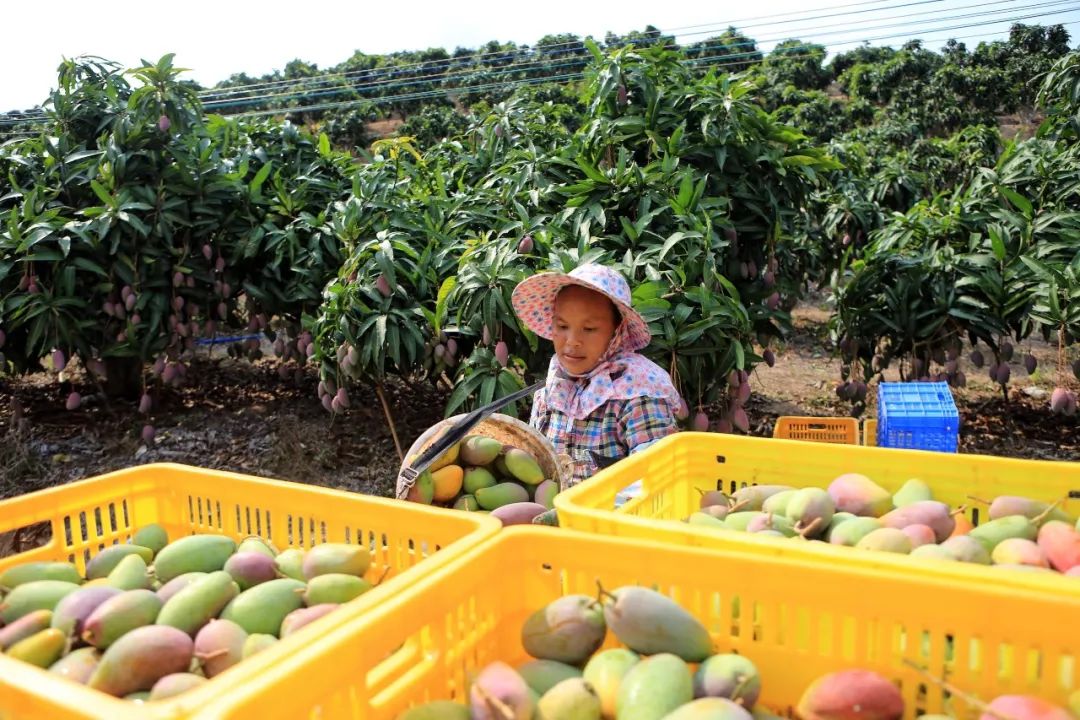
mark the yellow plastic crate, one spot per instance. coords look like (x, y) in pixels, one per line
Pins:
(672, 475)
(407, 540)
(869, 432)
(795, 621)
(838, 430)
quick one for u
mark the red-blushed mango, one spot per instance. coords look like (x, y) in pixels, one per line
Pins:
(851, 695)
(78, 665)
(713, 497)
(178, 583)
(120, 615)
(545, 493)
(219, 646)
(1024, 707)
(570, 699)
(249, 568)
(859, 495)
(303, 616)
(605, 671)
(568, 630)
(70, 614)
(423, 489)
(103, 562)
(1018, 551)
(519, 513)
(1006, 505)
(29, 624)
(919, 535)
(1061, 543)
(937, 515)
(500, 693)
(753, 496)
(43, 648)
(254, 543)
(193, 553)
(140, 658)
(175, 684)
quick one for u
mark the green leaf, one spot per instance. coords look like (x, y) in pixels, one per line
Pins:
(1018, 200)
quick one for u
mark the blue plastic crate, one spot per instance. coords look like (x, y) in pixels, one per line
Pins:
(917, 416)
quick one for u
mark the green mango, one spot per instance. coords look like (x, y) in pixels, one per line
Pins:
(151, 536)
(1011, 526)
(78, 665)
(654, 687)
(523, 466)
(730, 676)
(912, 491)
(34, 595)
(120, 615)
(567, 630)
(290, 563)
(605, 672)
(711, 708)
(851, 532)
(811, 510)
(570, 699)
(256, 643)
(334, 588)
(261, 609)
(107, 559)
(29, 572)
(479, 450)
(542, 675)
(194, 553)
(505, 493)
(130, 573)
(777, 504)
(29, 624)
(753, 497)
(194, 606)
(175, 684)
(254, 543)
(336, 558)
(651, 623)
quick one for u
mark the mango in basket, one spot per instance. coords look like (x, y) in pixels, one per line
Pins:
(568, 630)
(707, 708)
(194, 553)
(523, 466)
(479, 450)
(31, 571)
(650, 623)
(31, 596)
(504, 493)
(605, 672)
(423, 489)
(448, 481)
(655, 687)
(477, 478)
(849, 692)
(437, 710)
(500, 693)
(142, 657)
(571, 699)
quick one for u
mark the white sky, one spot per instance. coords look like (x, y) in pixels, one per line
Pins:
(216, 39)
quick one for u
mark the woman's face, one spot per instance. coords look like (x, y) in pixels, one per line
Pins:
(585, 321)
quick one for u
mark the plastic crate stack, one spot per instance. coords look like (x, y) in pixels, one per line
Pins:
(917, 416)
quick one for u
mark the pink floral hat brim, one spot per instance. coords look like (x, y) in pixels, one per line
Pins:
(534, 301)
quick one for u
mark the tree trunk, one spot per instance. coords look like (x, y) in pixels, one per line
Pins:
(123, 377)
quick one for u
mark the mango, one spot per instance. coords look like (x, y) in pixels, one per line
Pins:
(249, 568)
(912, 491)
(70, 614)
(850, 694)
(567, 630)
(174, 684)
(261, 609)
(448, 482)
(467, 503)
(919, 535)
(711, 708)
(1060, 542)
(706, 520)
(43, 648)
(859, 495)
(499, 693)
(119, 616)
(963, 525)
(651, 623)
(933, 551)
(1006, 505)
(571, 699)
(256, 643)
(542, 675)
(545, 493)
(178, 583)
(194, 553)
(1018, 551)
(437, 710)
(886, 540)
(753, 497)
(519, 513)
(549, 518)
(838, 518)
(654, 687)
(851, 532)
(78, 665)
(478, 450)
(523, 466)
(937, 515)
(1013, 526)
(302, 616)
(335, 588)
(290, 563)
(605, 672)
(778, 503)
(423, 489)
(336, 558)
(447, 458)
(767, 521)
(103, 563)
(34, 595)
(139, 697)
(140, 658)
(741, 519)
(29, 572)
(810, 510)
(713, 498)
(219, 646)
(194, 606)
(729, 676)
(719, 512)
(965, 548)
(477, 478)
(151, 536)
(254, 543)
(130, 574)
(29, 624)
(1024, 707)
(505, 493)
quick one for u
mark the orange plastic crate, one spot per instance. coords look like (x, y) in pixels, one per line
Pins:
(794, 620)
(406, 540)
(839, 430)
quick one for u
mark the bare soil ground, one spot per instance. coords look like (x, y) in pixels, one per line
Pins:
(244, 417)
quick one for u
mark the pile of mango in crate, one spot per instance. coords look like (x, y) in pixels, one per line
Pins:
(666, 670)
(152, 618)
(854, 511)
(480, 474)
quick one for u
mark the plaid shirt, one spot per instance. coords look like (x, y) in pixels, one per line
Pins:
(616, 429)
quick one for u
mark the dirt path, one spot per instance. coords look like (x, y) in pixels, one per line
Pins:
(246, 418)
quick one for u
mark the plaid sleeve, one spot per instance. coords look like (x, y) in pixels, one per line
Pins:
(645, 420)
